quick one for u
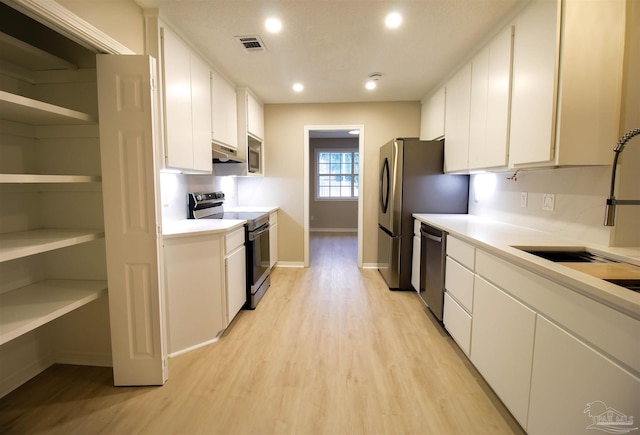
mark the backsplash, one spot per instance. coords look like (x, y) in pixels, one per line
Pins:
(174, 189)
(579, 200)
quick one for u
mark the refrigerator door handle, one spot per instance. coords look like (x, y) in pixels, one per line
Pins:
(384, 196)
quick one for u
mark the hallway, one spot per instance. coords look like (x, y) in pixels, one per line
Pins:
(329, 350)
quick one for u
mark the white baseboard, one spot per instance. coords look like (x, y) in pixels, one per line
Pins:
(370, 265)
(84, 359)
(333, 230)
(197, 346)
(290, 263)
(28, 371)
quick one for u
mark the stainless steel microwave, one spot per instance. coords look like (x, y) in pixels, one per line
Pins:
(254, 156)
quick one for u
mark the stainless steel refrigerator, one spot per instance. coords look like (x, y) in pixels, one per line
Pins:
(412, 181)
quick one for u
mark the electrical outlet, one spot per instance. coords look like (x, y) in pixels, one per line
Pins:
(548, 201)
(523, 199)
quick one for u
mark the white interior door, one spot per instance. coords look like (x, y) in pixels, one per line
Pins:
(130, 186)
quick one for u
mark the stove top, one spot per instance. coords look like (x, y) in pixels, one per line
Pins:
(209, 205)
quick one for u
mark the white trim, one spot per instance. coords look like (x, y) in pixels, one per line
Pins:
(83, 358)
(333, 230)
(194, 347)
(307, 176)
(291, 264)
(370, 265)
(60, 19)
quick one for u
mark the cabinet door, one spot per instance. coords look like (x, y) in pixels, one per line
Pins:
(224, 108)
(432, 117)
(574, 387)
(255, 117)
(201, 114)
(533, 98)
(194, 302)
(502, 345)
(415, 264)
(273, 244)
(236, 273)
(489, 118)
(176, 65)
(456, 130)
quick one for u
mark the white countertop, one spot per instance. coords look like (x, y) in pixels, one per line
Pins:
(244, 208)
(194, 227)
(187, 227)
(499, 238)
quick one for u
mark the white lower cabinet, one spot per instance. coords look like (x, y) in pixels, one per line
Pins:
(273, 238)
(195, 308)
(415, 263)
(235, 273)
(457, 322)
(502, 345)
(596, 392)
(458, 297)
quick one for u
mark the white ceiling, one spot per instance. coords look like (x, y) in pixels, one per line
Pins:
(331, 46)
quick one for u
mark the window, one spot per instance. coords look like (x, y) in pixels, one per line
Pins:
(337, 174)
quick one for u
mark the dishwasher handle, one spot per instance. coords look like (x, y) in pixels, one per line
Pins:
(430, 236)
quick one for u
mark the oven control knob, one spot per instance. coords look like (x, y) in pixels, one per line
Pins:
(198, 197)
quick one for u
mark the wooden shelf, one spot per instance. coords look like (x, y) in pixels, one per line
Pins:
(25, 243)
(33, 112)
(27, 56)
(24, 309)
(36, 178)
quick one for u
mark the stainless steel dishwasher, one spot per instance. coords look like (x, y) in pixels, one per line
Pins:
(432, 259)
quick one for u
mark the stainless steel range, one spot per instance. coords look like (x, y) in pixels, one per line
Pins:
(210, 205)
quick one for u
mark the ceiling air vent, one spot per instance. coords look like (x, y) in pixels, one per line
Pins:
(252, 43)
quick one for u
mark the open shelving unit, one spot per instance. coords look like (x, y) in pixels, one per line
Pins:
(51, 251)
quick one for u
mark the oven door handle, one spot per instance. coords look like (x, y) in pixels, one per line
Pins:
(255, 233)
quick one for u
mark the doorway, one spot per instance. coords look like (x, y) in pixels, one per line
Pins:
(329, 131)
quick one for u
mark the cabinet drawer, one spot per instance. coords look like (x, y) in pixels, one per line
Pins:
(457, 322)
(234, 240)
(459, 282)
(463, 253)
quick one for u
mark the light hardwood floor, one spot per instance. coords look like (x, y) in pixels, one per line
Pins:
(329, 350)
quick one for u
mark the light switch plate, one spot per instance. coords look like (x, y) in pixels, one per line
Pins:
(523, 199)
(548, 201)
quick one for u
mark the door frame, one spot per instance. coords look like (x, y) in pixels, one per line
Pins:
(307, 181)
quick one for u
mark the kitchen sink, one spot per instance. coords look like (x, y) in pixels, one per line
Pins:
(569, 256)
(631, 284)
(577, 258)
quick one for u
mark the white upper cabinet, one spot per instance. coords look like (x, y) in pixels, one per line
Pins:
(456, 127)
(255, 116)
(432, 116)
(567, 81)
(187, 105)
(489, 117)
(224, 112)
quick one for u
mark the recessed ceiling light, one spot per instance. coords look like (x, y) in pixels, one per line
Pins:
(393, 20)
(298, 87)
(273, 25)
(373, 80)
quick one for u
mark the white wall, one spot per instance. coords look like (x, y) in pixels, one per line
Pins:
(283, 184)
(120, 19)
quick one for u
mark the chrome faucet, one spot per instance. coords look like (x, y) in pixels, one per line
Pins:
(610, 208)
